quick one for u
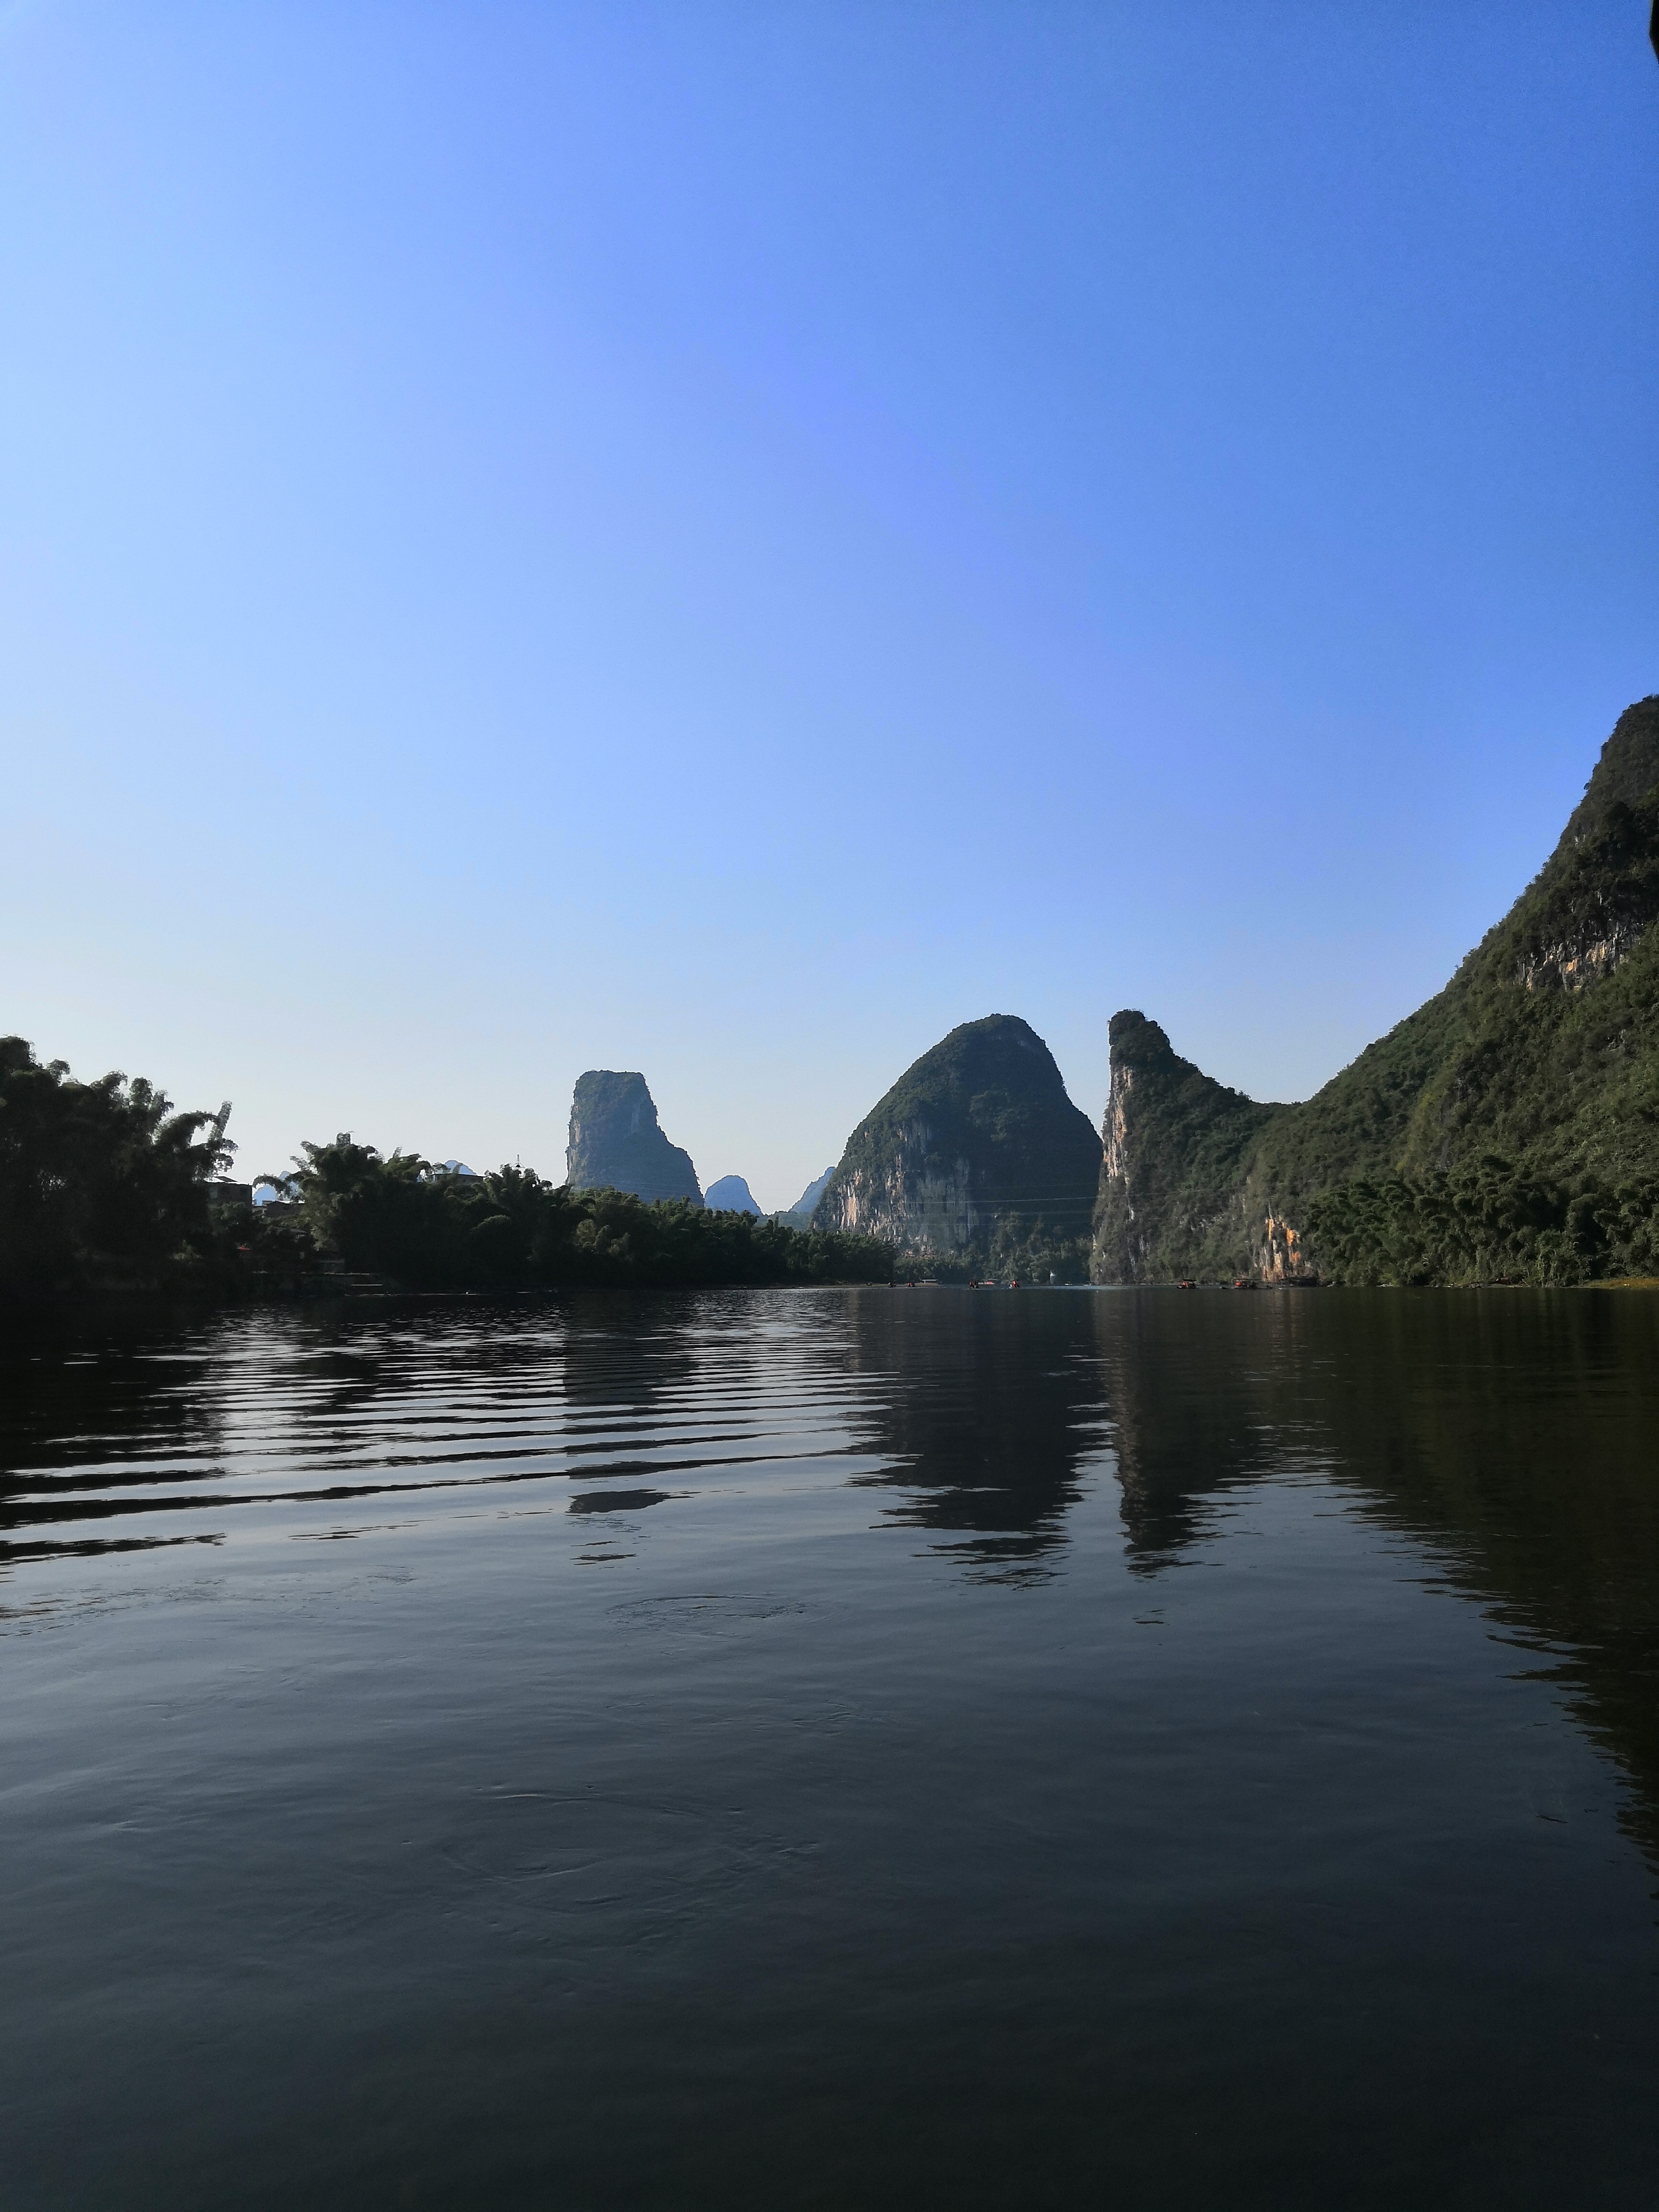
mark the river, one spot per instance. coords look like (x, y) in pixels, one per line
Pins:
(841, 1748)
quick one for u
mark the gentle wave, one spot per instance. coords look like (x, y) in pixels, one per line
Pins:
(266, 1411)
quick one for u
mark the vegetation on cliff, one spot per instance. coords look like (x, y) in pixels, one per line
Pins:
(1507, 1131)
(976, 1160)
(1176, 1143)
(1488, 1222)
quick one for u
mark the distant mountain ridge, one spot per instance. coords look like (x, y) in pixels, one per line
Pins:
(730, 1195)
(975, 1156)
(799, 1215)
(1509, 1128)
(616, 1143)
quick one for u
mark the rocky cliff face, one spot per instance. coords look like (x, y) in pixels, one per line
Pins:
(1540, 1058)
(975, 1155)
(616, 1144)
(1175, 1143)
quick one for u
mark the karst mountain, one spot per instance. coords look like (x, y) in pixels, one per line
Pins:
(616, 1143)
(975, 1157)
(1508, 1130)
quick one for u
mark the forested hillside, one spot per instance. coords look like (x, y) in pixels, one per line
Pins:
(1509, 1130)
(976, 1160)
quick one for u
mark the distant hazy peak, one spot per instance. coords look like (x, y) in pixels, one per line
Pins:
(813, 1192)
(731, 1194)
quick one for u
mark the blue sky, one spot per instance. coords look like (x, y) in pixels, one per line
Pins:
(726, 539)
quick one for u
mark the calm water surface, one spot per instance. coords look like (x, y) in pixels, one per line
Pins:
(843, 1748)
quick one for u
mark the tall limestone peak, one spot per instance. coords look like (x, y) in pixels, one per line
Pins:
(976, 1154)
(616, 1144)
(1172, 1144)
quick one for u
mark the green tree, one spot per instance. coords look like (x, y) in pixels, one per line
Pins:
(102, 1184)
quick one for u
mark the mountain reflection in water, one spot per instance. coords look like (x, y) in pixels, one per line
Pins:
(986, 1418)
(1514, 1435)
(834, 1747)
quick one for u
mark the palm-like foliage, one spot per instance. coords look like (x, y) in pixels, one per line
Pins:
(100, 1182)
(410, 1223)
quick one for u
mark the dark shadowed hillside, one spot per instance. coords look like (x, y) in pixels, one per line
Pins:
(975, 1156)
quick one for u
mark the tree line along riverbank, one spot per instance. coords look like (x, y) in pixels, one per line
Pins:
(105, 1187)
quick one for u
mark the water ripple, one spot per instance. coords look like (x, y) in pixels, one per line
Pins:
(272, 1411)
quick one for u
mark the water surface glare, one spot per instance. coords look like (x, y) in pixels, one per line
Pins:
(854, 1748)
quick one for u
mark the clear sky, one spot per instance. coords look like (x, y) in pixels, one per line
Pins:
(727, 540)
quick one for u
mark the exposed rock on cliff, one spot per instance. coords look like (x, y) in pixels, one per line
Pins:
(975, 1155)
(731, 1194)
(1175, 1141)
(616, 1144)
(1525, 1089)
